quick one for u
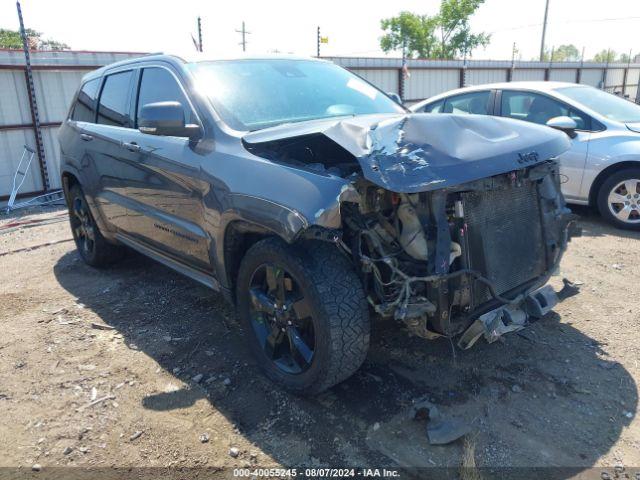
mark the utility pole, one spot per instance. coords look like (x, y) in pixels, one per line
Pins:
(244, 37)
(513, 61)
(403, 70)
(32, 102)
(199, 35)
(544, 30)
(318, 43)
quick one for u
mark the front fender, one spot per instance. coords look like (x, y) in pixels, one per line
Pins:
(602, 157)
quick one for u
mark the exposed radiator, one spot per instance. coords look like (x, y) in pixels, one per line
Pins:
(505, 237)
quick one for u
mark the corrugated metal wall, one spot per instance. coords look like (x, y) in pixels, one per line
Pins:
(480, 76)
(56, 76)
(385, 79)
(591, 76)
(563, 75)
(430, 77)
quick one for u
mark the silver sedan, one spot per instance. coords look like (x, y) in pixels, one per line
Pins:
(602, 168)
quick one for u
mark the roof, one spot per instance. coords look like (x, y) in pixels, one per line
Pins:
(192, 57)
(544, 86)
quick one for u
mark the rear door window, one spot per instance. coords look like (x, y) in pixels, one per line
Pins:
(159, 85)
(537, 108)
(475, 103)
(84, 109)
(113, 108)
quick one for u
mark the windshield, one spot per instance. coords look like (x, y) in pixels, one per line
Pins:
(255, 94)
(606, 104)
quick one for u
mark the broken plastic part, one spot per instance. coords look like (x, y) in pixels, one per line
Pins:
(442, 432)
(541, 302)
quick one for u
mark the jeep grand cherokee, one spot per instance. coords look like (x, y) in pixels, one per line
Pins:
(312, 200)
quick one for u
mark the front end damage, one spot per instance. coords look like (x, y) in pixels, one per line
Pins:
(454, 224)
(474, 254)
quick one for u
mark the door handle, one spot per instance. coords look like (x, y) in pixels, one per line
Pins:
(132, 147)
(85, 137)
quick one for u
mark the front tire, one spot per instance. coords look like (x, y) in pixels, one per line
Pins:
(304, 313)
(619, 199)
(91, 245)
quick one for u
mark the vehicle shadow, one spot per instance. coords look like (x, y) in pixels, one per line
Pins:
(546, 396)
(593, 225)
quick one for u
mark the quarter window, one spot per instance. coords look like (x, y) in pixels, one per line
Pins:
(536, 108)
(475, 102)
(158, 85)
(84, 109)
(113, 108)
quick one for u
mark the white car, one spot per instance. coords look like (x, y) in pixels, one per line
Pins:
(602, 168)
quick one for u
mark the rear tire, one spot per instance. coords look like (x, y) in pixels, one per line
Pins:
(91, 245)
(619, 199)
(319, 333)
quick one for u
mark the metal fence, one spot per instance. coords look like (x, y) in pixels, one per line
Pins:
(430, 77)
(57, 76)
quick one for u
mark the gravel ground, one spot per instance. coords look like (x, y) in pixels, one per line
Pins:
(137, 366)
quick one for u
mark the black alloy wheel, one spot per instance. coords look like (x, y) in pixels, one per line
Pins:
(84, 229)
(281, 319)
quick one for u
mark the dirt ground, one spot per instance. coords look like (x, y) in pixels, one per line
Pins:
(137, 366)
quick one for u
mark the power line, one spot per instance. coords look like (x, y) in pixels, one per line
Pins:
(594, 20)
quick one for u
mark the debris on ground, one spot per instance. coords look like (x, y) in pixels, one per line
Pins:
(101, 326)
(440, 429)
(204, 438)
(95, 402)
(234, 452)
(136, 435)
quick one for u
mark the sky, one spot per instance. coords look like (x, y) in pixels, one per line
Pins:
(289, 26)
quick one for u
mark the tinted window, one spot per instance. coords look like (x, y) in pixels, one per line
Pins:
(114, 100)
(536, 108)
(158, 85)
(84, 109)
(434, 107)
(254, 94)
(476, 103)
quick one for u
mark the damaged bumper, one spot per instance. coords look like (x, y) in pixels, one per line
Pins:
(511, 318)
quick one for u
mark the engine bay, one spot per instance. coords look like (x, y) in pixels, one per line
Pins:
(435, 260)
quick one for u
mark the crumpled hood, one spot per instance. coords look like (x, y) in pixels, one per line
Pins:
(417, 152)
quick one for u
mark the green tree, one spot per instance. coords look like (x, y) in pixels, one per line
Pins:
(12, 39)
(416, 33)
(455, 32)
(624, 58)
(604, 56)
(445, 35)
(563, 53)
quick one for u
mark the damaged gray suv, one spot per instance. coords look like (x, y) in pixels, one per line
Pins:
(313, 202)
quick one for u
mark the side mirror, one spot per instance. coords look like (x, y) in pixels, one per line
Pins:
(395, 97)
(167, 119)
(566, 124)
